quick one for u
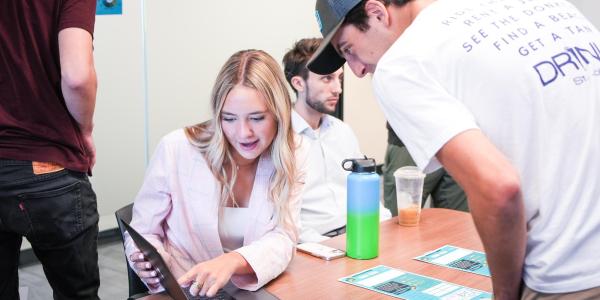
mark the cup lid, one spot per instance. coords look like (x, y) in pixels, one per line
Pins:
(411, 172)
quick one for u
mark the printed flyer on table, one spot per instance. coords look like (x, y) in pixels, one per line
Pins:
(410, 286)
(458, 258)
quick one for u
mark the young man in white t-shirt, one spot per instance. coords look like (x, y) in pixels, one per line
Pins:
(323, 212)
(506, 96)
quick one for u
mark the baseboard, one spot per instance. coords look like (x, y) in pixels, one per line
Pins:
(28, 257)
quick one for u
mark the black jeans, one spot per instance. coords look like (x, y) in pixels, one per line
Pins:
(57, 213)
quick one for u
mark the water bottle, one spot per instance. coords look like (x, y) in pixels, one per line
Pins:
(362, 224)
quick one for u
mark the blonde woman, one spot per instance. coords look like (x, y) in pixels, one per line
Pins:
(220, 199)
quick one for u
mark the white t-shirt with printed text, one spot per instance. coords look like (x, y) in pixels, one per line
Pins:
(527, 73)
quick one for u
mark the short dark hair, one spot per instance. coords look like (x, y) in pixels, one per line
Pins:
(357, 16)
(294, 61)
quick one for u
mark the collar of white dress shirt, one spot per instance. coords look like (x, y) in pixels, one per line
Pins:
(301, 127)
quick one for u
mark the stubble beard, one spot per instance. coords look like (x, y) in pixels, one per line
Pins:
(318, 106)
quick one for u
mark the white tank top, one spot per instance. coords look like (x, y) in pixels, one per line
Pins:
(232, 227)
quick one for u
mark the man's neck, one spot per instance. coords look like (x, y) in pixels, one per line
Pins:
(311, 116)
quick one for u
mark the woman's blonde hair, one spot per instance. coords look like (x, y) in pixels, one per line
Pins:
(257, 70)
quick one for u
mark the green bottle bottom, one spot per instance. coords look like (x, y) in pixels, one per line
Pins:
(362, 235)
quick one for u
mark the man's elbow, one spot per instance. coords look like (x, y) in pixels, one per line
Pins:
(79, 78)
(506, 192)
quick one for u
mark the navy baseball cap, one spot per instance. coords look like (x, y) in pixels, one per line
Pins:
(330, 16)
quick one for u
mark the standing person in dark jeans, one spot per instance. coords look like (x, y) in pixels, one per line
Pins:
(444, 191)
(47, 100)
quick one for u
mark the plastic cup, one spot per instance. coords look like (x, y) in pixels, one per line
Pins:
(409, 191)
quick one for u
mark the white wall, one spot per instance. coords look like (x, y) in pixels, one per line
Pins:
(119, 118)
(362, 112)
(187, 46)
(189, 40)
(590, 8)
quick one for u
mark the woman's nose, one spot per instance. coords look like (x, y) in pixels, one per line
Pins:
(245, 129)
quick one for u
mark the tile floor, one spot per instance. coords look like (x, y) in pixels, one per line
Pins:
(113, 276)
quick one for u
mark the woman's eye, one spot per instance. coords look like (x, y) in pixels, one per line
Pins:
(257, 118)
(227, 119)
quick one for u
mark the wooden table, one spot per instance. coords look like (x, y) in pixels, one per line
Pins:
(309, 277)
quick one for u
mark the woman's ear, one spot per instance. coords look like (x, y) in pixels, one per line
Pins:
(298, 83)
(377, 10)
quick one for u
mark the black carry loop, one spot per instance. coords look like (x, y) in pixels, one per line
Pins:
(360, 165)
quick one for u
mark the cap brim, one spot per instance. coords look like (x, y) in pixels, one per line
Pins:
(326, 60)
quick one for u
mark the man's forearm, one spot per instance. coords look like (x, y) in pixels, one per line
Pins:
(503, 233)
(78, 76)
(493, 189)
(81, 101)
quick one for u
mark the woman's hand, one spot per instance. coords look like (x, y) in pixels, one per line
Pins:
(208, 277)
(145, 270)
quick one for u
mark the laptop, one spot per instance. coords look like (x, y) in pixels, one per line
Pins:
(172, 287)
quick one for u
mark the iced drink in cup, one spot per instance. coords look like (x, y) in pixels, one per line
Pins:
(409, 191)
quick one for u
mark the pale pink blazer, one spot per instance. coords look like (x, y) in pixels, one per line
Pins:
(176, 209)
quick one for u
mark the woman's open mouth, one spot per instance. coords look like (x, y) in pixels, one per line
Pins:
(249, 146)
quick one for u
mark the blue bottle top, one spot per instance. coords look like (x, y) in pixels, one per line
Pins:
(363, 186)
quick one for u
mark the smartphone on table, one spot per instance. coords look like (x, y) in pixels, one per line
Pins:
(321, 251)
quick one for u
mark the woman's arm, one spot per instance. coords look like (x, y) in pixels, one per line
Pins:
(206, 278)
(151, 206)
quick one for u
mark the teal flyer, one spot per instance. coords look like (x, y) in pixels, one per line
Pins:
(410, 286)
(458, 258)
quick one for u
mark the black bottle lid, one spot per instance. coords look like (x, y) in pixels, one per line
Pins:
(360, 165)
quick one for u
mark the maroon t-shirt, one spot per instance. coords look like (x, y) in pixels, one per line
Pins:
(35, 124)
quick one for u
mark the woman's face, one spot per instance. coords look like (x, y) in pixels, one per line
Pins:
(247, 123)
